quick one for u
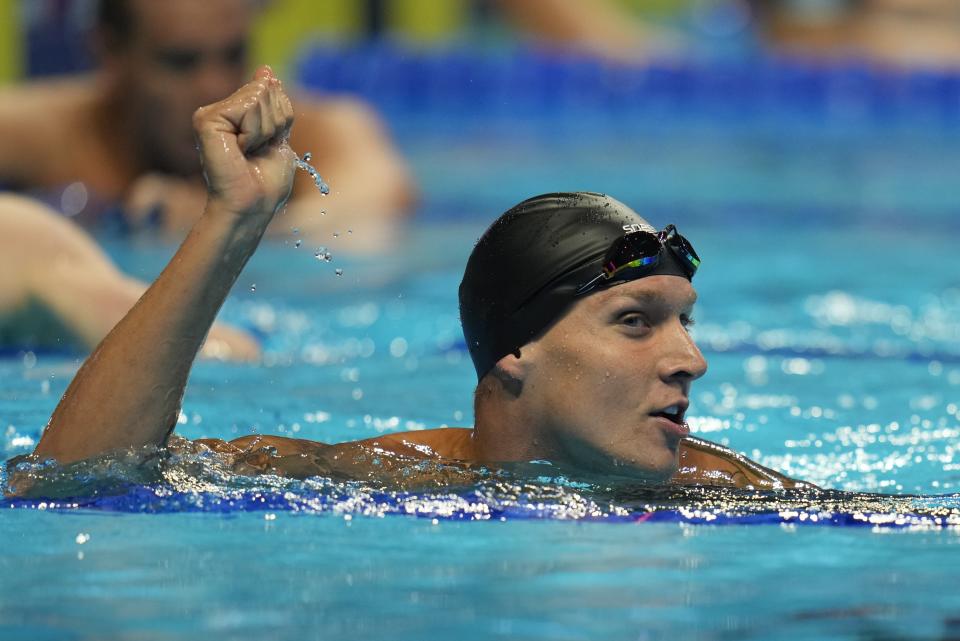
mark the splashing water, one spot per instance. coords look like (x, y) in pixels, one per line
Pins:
(304, 164)
(188, 479)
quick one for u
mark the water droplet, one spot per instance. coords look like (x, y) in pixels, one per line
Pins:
(349, 231)
(336, 234)
(323, 254)
(298, 243)
(339, 272)
(323, 213)
(295, 230)
(304, 164)
(253, 287)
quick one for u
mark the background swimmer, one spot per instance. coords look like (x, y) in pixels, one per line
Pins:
(596, 383)
(125, 133)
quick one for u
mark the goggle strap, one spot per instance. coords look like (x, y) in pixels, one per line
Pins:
(591, 283)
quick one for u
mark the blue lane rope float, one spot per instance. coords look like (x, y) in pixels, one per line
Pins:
(538, 86)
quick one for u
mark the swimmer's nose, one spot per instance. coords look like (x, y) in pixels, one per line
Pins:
(684, 361)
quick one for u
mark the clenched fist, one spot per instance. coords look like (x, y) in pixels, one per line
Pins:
(247, 161)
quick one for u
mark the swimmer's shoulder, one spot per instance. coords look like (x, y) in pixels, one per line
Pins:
(454, 443)
(350, 140)
(329, 126)
(330, 112)
(279, 445)
(705, 463)
(44, 114)
(447, 443)
(53, 136)
(302, 458)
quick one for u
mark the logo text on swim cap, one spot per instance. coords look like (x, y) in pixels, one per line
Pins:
(637, 227)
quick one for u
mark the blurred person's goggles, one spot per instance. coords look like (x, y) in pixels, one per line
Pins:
(638, 254)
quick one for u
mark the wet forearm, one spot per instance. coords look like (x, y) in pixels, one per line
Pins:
(128, 392)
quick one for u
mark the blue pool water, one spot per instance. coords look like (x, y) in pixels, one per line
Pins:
(829, 306)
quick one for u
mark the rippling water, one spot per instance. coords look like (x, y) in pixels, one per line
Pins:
(829, 307)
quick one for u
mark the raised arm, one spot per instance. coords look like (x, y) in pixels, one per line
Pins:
(128, 392)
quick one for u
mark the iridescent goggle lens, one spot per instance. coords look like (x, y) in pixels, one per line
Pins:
(641, 250)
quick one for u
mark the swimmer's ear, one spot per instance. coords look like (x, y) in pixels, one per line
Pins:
(513, 365)
(511, 371)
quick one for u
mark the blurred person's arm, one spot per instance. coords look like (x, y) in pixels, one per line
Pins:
(918, 33)
(896, 32)
(48, 261)
(600, 27)
(128, 392)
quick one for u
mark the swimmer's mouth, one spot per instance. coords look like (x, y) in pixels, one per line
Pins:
(672, 413)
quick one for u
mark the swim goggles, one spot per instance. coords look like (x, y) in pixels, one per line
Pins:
(637, 253)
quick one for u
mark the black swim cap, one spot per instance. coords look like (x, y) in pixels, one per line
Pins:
(525, 269)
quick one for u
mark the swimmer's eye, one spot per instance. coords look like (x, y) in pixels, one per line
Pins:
(179, 60)
(236, 54)
(636, 321)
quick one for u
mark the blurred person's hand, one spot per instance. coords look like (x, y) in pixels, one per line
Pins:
(169, 202)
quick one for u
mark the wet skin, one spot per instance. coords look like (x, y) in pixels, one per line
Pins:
(603, 390)
(595, 385)
(597, 381)
(392, 459)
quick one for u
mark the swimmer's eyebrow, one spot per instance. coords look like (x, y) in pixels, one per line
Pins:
(655, 298)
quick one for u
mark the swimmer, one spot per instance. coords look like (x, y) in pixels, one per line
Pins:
(58, 290)
(124, 133)
(575, 311)
(897, 33)
(602, 29)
